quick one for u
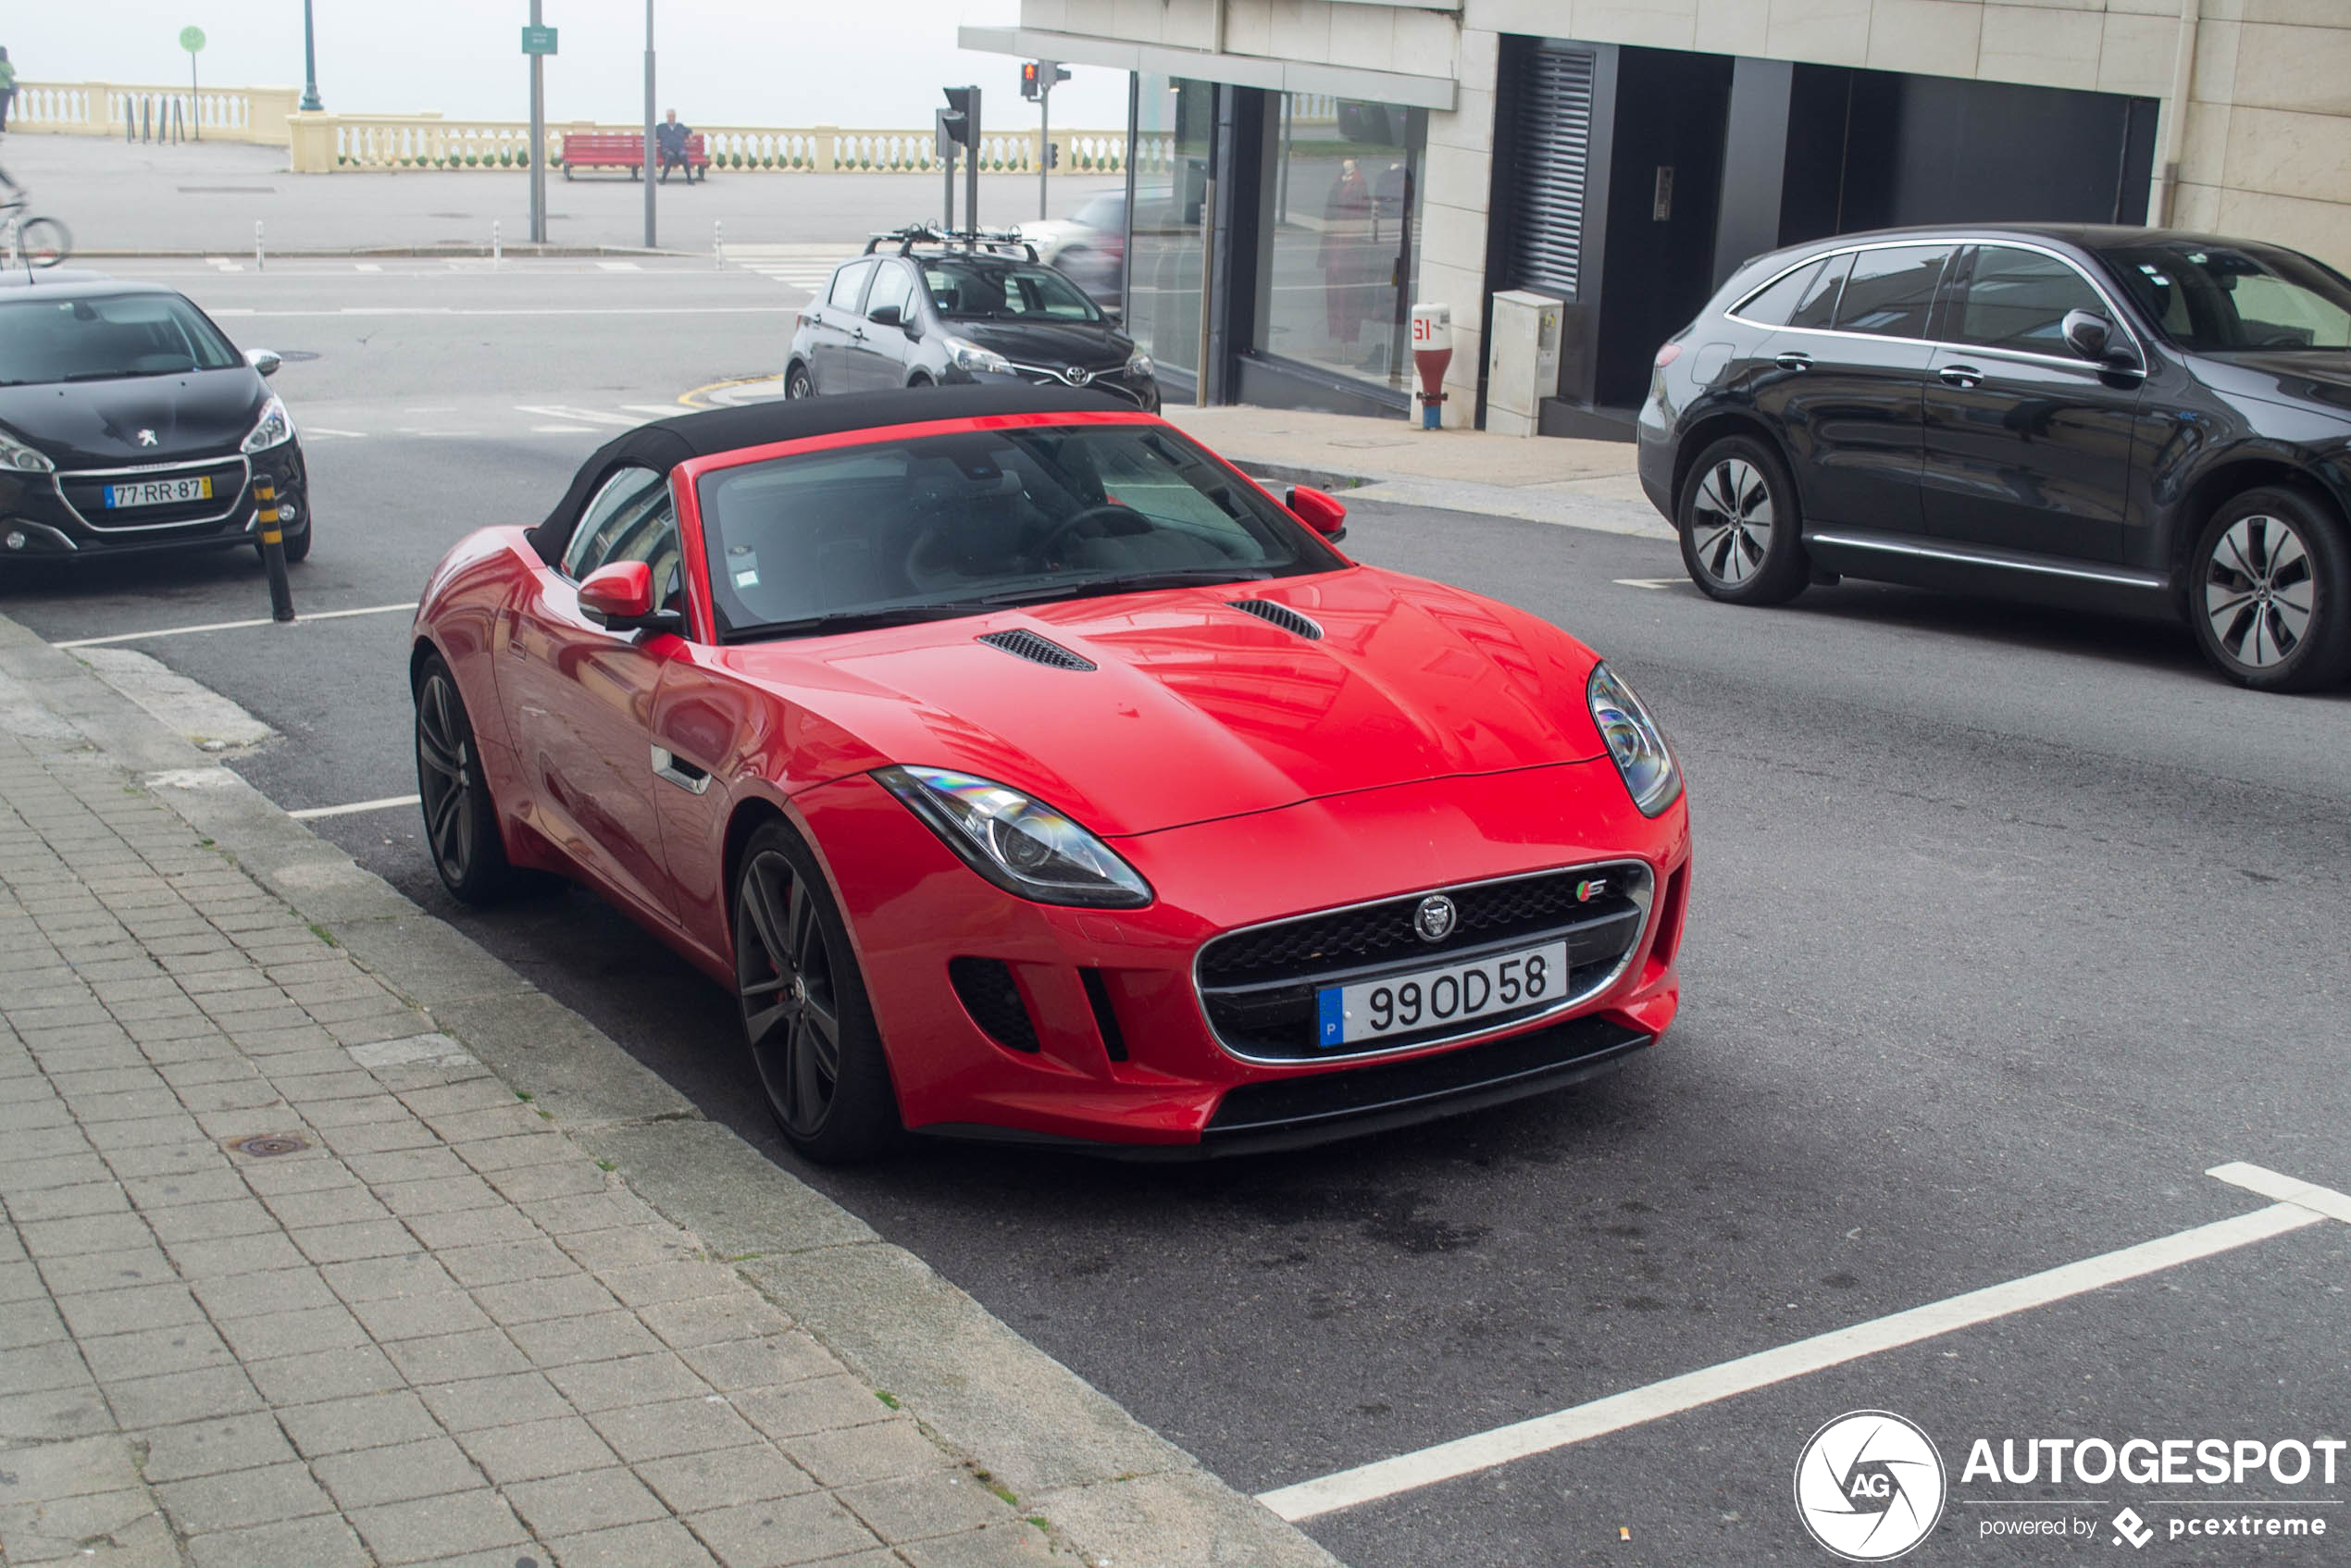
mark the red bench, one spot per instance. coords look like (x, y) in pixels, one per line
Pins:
(620, 149)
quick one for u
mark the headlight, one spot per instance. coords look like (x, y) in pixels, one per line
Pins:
(14, 453)
(275, 428)
(1022, 845)
(965, 355)
(1634, 742)
(1139, 365)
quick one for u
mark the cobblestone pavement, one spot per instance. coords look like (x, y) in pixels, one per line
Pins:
(290, 1277)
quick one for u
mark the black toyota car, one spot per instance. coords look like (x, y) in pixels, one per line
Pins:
(922, 309)
(130, 422)
(2120, 419)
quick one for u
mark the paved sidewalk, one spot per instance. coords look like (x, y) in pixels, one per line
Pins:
(290, 1276)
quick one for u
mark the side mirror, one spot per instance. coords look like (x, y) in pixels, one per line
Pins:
(887, 315)
(264, 360)
(619, 597)
(1318, 510)
(2087, 335)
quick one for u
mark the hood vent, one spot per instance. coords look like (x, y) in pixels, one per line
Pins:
(1024, 644)
(1281, 616)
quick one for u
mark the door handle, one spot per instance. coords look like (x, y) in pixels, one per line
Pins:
(669, 764)
(858, 336)
(1960, 375)
(1795, 359)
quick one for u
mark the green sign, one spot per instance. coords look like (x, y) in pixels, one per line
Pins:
(191, 39)
(538, 41)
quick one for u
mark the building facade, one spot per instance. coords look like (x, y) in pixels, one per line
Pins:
(1327, 163)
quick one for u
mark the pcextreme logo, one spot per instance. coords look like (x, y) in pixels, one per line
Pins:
(1870, 1486)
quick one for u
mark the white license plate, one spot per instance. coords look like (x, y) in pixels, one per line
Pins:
(158, 492)
(1450, 994)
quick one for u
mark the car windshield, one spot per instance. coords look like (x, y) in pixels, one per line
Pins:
(106, 336)
(2215, 299)
(980, 287)
(960, 523)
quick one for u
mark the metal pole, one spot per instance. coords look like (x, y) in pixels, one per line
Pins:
(949, 226)
(259, 262)
(1207, 282)
(497, 245)
(1044, 136)
(273, 551)
(195, 114)
(971, 172)
(718, 241)
(649, 127)
(537, 140)
(309, 63)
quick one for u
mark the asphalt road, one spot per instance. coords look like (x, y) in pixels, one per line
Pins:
(2008, 925)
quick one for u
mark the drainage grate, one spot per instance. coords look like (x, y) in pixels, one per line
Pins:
(1281, 616)
(1026, 645)
(261, 1146)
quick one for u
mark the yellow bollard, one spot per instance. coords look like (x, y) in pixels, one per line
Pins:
(273, 552)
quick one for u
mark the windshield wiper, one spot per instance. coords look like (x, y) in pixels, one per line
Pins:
(125, 374)
(856, 620)
(1134, 582)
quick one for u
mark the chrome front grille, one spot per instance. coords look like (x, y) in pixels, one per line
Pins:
(1258, 985)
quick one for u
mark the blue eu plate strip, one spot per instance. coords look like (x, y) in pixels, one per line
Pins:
(1331, 1027)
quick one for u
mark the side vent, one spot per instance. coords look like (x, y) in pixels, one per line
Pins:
(1105, 1016)
(1022, 644)
(1281, 616)
(986, 989)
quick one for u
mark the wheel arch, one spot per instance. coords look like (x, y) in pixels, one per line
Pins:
(1712, 427)
(2225, 480)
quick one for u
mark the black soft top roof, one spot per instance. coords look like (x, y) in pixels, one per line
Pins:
(664, 443)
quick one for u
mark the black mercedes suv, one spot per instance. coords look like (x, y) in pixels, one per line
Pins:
(2125, 420)
(130, 422)
(921, 308)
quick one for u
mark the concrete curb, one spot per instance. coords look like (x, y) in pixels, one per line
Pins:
(1111, 1485)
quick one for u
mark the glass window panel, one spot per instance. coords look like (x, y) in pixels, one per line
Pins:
(1818, 307)
(1344, 236)
(624, 499)
(893, 286)
(2017, 299)
(1174, 119)
(848, 284)
(1773, 305)
(1890, 291)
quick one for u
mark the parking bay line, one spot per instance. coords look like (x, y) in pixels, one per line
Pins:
(312, 814)
(228, 626)
(2299, 1204)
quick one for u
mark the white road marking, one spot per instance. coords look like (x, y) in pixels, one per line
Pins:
(2301, 1205)
(312, 814)
(227, 626)
(619, 266)
(563, 430)
(323, 430)
(1647, 581)
(593, 416)
(659, 410)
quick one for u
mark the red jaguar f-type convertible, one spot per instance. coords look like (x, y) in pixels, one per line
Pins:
(1031, 774)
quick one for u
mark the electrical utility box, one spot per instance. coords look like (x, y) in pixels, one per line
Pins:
(1521, 361)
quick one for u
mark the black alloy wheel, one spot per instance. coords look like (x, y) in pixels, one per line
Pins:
(804, 1009)
(2269, 592)
(461, 821)
(799, 384)
(1742, 532)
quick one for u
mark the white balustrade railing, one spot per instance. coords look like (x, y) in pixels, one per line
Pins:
(109, 109)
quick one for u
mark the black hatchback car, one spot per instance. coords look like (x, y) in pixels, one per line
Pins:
(130, 422)
(2123, 420)
(945, 311)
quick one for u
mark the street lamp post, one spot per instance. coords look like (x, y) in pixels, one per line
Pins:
(650, 158)
(309, 63)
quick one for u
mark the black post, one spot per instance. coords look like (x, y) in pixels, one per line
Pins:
(971, 169)
(273, 552)
(310, 102)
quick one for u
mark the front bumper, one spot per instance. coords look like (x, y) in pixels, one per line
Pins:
(62, 515)
(1010, 1020)
(1141, 391)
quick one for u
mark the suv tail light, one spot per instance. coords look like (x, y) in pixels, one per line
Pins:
(1668, 355)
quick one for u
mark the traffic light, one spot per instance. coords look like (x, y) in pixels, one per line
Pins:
(955, 120)
(1052, 154)
(1037, 76)
(1028, 79)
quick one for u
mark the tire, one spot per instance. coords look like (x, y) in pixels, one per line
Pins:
(1742, 530)
(461, 821)
(918, 381)
(803, 1001)
(798, 383)
(44, 241)
(297, 544)
(2269, 592)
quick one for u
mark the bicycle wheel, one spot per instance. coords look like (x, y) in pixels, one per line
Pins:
(44, 241)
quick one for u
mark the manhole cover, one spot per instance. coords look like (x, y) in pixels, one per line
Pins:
(262, 1145)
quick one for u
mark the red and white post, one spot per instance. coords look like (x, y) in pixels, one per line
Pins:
(1432, 352)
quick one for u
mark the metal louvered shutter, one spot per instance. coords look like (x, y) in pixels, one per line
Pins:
(1550, 133)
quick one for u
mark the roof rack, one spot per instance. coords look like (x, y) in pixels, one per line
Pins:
(914, 234)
